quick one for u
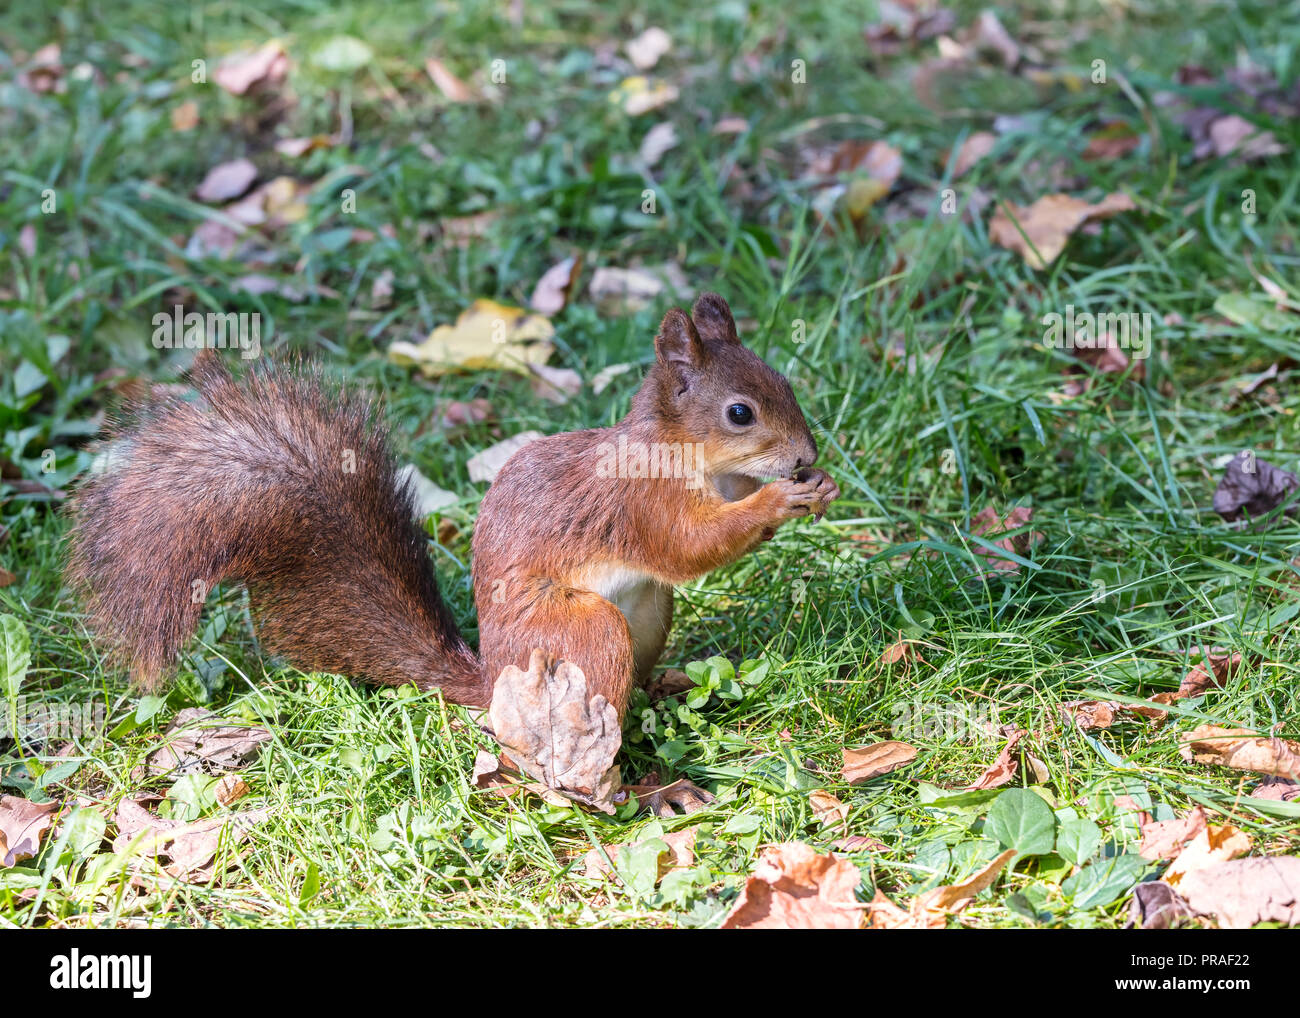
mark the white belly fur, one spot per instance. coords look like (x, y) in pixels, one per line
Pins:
(639, 597)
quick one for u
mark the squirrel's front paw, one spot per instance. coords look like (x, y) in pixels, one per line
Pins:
(827, 490)
(807, 492)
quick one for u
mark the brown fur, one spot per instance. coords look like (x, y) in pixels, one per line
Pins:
(248, 484)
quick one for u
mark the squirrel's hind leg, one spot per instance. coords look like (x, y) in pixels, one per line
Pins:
(573, 625)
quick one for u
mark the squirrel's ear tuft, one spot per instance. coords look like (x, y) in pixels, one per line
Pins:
(713, 319)
(678, 341)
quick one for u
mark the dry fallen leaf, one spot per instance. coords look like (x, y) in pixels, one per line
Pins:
(556, 731)
(22, 825)
(972, 150)
(484, 466)
(857, 174)
(230, 789)
(1241, 749)
(829, 811)
(182, 851)
(1156, 906)
(448, 84)
(679, 855)
(987, 524)
(645, 50)
(295, 148)
(638, 95)
(226, 180)
(1276, 789)
(1252, 487)
(622, 291)
(1114, 140)
(185, 117)
(552, 292)
(794, 888)
(1211, 845)
(191, 749)
(459, 414)
(241, 71)
(1048, 224)
(485, 336)
(666, 800)
(555, 385)
(1243, 892)
(901, 650)
(1001, 770)
(1234, 135)
(872, 761)
(658, 140)
(601, 379)
(1164, 839)
(989, 34)
(930, 910)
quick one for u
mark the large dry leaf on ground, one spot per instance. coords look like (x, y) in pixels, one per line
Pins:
(241, 71)
(1049, 223)
(226, 180)
(1243, 892)
(192, 748)
(1241, 749)
(1199, 678)
(1252, 487)
(484, 466)
(1164, 839)
(556, 731)
(872, 761)
(22, 825)
(1001, 770)
(679, 854)
(486, 336)
(795, 888)
(182, 851)
(1213, 845)
(930, 911)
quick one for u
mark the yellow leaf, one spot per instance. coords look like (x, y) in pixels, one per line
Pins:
(487, 336)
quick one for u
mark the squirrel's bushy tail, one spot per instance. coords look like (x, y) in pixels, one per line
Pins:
(287, 484)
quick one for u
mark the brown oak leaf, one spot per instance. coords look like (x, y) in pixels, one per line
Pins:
(794, 887)
(556, 731)
(872, 761)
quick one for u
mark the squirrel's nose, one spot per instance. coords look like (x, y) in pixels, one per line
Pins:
(806, 456)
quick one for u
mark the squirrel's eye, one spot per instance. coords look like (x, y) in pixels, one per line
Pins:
(738, 413)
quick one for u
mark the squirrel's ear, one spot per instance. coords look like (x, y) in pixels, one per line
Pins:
(678, 341)
(713, 319)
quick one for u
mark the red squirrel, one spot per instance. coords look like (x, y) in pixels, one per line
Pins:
(289, 485)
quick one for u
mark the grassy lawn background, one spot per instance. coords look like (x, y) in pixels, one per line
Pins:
(922, 366)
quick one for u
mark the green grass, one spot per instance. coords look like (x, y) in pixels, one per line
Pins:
(372, 819)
